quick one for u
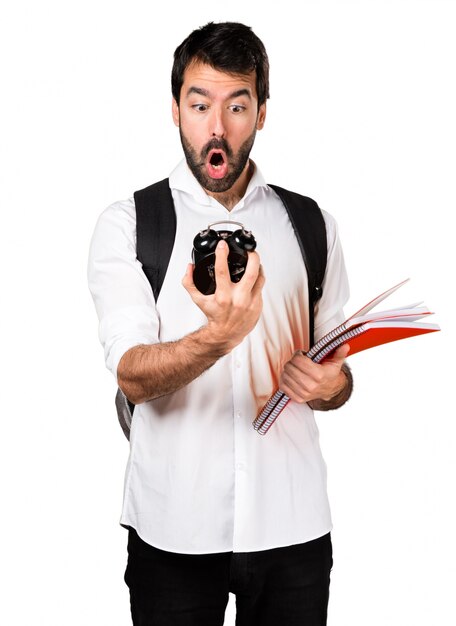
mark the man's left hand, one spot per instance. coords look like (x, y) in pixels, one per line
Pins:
(303, 380)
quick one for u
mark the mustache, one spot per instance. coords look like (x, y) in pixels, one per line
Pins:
(216, 144)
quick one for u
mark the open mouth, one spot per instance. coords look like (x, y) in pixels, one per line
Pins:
(216, 159)
(216, 164)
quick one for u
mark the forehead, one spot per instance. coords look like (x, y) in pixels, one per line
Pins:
(216, 82)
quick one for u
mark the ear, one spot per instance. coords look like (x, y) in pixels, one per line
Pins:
(175, 110)
(261, 118)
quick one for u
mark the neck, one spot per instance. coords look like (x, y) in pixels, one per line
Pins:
(231, 196)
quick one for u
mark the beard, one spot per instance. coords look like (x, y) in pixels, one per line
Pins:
(236, 162)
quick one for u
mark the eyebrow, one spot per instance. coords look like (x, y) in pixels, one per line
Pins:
(204, 92)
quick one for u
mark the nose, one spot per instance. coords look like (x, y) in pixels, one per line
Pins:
(218, 127)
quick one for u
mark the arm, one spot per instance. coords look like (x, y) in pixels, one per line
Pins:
(323, 386)
(149, 371)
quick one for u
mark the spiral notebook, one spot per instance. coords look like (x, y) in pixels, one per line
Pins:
(364, 329)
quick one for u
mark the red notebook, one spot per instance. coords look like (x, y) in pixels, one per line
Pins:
(363, 330)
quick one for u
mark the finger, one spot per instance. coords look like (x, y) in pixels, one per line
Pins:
(259, 283)
(222, 272)
(251, 273)
(291, 376)
(296, 390)
(303, 364)
(189, 284)
(304, 385)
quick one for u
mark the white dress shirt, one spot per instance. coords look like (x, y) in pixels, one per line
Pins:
(199, 478)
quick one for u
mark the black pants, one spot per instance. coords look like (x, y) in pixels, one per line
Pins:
(279, 587)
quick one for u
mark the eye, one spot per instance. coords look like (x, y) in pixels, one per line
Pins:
(237, 108)
(201, 108)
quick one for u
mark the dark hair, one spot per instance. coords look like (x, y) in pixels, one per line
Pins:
(227, 46)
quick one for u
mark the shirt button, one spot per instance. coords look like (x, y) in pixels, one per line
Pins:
(238, 364)
(240, 466)
(238, 414)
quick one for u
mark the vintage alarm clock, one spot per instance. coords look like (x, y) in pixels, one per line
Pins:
(240, 242)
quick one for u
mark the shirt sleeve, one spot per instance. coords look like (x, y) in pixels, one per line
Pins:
(121, 292)
(329, 311)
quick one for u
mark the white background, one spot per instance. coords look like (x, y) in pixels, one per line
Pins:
(362, 118)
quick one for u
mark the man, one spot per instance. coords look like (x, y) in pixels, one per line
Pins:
(211, 506)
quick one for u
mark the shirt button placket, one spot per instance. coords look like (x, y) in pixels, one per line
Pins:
(240, 461)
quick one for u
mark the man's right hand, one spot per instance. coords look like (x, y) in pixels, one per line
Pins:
(233, 310)
(146, 372)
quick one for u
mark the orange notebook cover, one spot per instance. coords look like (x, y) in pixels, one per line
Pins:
(375, 333)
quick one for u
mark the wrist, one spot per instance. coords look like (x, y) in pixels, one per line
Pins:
(214, 340)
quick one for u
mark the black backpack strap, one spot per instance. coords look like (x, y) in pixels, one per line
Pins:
(155, 234)
(155, 231)
(309, 225)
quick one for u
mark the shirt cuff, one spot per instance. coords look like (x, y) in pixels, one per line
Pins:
(125, 329)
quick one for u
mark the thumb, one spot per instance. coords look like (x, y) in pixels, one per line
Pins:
(339, 355)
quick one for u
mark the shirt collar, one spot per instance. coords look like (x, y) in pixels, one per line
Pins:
(182, 179)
